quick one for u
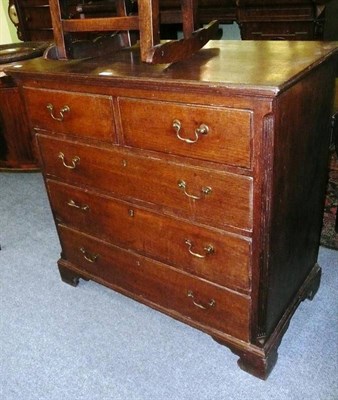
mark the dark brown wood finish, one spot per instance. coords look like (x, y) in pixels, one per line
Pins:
(266, 19)
(147, 22)
(235, 261)
(32, 19)
(163, 188)
(159, 284)
(16, 149)
(65, 113)
(300, 191)
(296, 20)
(138, 229)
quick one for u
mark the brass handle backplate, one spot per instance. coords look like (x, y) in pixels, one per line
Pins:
(88, 256)
(72, 203)
(74, 161)
(205, 190)
(209, 249)
(211, 303)
(203, 129)
(62, 111)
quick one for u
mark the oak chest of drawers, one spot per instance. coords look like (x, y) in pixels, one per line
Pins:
(195, 188)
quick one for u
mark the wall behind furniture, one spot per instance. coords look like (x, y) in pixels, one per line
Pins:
(231, 31)
(7, 29)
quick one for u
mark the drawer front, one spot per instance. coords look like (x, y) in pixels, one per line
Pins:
(222, 199)
(173, 290)
(208, 133)
(218, 257)
(77, 114)
(279, 13)
(278, 30)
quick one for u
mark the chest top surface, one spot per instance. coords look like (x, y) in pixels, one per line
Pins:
(266, 66)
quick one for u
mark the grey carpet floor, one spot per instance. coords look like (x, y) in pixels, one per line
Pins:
(90, 343)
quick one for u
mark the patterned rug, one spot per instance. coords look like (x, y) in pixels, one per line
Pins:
(329, 236)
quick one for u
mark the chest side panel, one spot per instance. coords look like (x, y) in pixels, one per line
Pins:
(299, 174)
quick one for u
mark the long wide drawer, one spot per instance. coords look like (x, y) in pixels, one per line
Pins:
(207, 304)
(219, 257)
(206, 196)
(77, 114)
(217, 134)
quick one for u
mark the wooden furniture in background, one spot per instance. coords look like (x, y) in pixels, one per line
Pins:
(32, 19)
(146, 22)
(196, 188)
(258, 19)
(281, 20)
(16, 151)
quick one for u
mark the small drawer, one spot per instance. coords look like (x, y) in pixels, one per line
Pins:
(77, 114)
(281, 13)
(219, 257)
(297, 30)
(209, 133)
(175, 292)
(210, 197)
